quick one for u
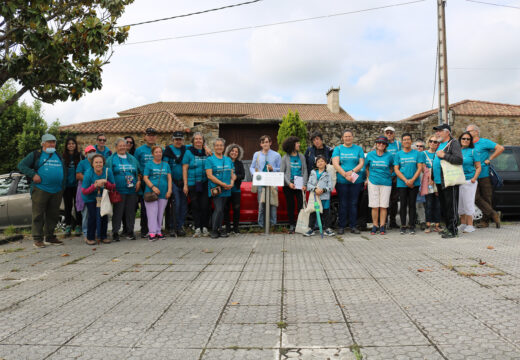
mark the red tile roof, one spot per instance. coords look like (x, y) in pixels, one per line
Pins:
(473, 108)
(261, 111)
(162, 121)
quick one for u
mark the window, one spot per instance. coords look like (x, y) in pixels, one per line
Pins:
(22, 187)
(506, 161)
(5, 185)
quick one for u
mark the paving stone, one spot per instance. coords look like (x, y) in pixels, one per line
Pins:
(29, 352)
(387, 334)
(400, 353)
(163, 354)
(244, 314)
(324, 335)
(246, 336)
(91, 353)
(240, 354)
(171, 335)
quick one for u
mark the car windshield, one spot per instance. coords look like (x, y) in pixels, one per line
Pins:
(5, 185)
(506, 161)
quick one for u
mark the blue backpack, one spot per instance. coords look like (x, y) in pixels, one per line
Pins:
(496, 179)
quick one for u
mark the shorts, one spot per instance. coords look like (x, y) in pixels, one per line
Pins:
(378, 195)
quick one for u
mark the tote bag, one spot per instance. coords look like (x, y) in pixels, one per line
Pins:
(302, 224)
(106, 205)
(452, 174)
(310, 204)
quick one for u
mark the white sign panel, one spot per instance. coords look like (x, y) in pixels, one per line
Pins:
(268, 179)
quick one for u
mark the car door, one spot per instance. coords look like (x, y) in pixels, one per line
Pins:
(6, 183)
(20, 205)
(507, 198)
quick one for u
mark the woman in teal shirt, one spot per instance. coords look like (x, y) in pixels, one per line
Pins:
(471, 166)
(348, 159)
(94, 181)
(221, 178)
(126, 169)
(71, 158)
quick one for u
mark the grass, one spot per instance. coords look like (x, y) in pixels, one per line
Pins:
(12, 250)
(356, 350)
(10, 230)
(75, 260)
(281, 325)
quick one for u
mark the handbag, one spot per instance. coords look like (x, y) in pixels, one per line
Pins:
(452, 174)
(106, 205)
(302, 224)
(215, 191)
(273, 195)
(496, 180)
(310, 205)
(150, 196)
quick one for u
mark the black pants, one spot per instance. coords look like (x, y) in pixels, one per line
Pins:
(69, 200)
(364, 212)
(394, 199)
(408, 197)
(325, 220)
(432, 209)
(124, 209)
(449, 198)
(219, 204)
(144, 218)
(290, 196)
(135, 206)
(232, 203)
(199, 203)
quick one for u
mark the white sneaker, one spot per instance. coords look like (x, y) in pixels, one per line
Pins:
(205, 231)
(197, 233)
(462, 227)
(329, 232)
(469, 229)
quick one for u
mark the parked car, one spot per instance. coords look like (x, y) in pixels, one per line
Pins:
(507, 198)
(15, 201)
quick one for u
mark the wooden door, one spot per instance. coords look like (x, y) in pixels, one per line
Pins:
(248, 136)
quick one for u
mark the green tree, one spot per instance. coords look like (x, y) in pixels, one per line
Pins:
(55, 49)
(292, 125)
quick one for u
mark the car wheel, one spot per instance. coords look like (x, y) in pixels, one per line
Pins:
(60, 226)
(477, 215)
(333, 216)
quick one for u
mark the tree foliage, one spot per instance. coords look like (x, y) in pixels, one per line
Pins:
(55, 49)
(292, 125)
(22, 129)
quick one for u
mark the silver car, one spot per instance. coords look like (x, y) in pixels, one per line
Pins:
(15, 202)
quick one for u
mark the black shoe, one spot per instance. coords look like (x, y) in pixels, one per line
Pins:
(291, 229)
(341, 231)
(393, 225)
(403, 230)
(412, 231)
(130, 236)
(449, 235)
(115, 236)
(423, 226)
(144, 235)
(181, 233)
(354, 231)
(236, 231)
(214, 234)
(223, 233)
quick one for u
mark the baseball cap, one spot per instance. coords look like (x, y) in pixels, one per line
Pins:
(89, 149)
(48, 137)
(178, 135)
(442, 127)
(150, 131)
(389, 128)
(382, 139)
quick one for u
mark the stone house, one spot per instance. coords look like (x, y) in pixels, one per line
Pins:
(497, 121)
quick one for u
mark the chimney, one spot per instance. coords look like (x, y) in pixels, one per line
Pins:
(333, 100)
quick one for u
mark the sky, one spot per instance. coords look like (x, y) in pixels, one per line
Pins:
(383, 60)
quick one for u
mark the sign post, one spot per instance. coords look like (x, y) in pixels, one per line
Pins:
(267, 180)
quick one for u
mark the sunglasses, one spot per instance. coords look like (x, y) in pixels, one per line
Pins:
(130, 142)
(467, 139)
(102, 140)
(420, 146)
(389, 132)
(433, 141)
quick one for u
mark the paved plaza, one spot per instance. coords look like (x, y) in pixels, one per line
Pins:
(265, 297)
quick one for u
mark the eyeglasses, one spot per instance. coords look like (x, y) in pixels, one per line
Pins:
(467, 139)
(433, 141)
(102, 140)
(130, 142)
(389, 132)
(419, 146)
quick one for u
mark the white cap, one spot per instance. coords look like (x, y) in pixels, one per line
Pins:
(389, 128)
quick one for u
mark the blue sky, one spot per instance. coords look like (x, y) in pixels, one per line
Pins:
(384, 60)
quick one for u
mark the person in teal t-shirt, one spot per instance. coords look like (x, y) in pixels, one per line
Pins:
(348, 159)
(393, 147)
(71, 157)
(235, 153)
(488, 151)
(472, 168)
(158, 179)
(219, 169)
(408, 165)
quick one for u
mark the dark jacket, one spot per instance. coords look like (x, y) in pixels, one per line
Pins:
(29, 167)
(310, 156)
(239, 172)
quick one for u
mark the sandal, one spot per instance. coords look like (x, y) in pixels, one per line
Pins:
(437, 229)
(106, 241)
(374, 231)
(90, 242)
(428, 229)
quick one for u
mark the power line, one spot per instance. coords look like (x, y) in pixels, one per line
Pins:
(193, 13)
(494, 4)
(274, 24)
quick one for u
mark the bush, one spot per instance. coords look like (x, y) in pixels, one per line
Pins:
(292, 125)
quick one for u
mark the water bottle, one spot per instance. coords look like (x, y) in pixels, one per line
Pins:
(430, 188)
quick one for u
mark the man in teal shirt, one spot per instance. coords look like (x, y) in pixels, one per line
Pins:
(101, 147)
(48, 174)
(488, 150)
(393, 147)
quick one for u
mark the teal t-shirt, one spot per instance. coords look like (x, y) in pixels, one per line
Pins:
(177, 168)
(469, 157)
(158, 176)
(393, 148)
(125, 174)
(437, 172)
(485, 148)
(50, 169)
(408, 163)
(380, 168)
(106, 151)
(83, 166)
(143, 154)
(296, 166)
(428, 158)
(196, 169)
(90, 178)
(222, 169)
(348, 160)
(71, 175)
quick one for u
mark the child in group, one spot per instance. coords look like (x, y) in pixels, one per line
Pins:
(321, 183)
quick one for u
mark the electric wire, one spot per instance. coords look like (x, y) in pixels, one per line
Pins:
(494, 4)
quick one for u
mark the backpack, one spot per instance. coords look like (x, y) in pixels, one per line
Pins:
(36, 160)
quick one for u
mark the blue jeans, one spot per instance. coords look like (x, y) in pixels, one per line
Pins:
(84, 220)
(180, 207)
(348, 195)
(96, 223)
(261, 211)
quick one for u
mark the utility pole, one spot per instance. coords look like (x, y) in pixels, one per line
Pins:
(442, 62)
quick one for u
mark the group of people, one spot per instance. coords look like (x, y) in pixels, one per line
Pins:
(161, 180)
